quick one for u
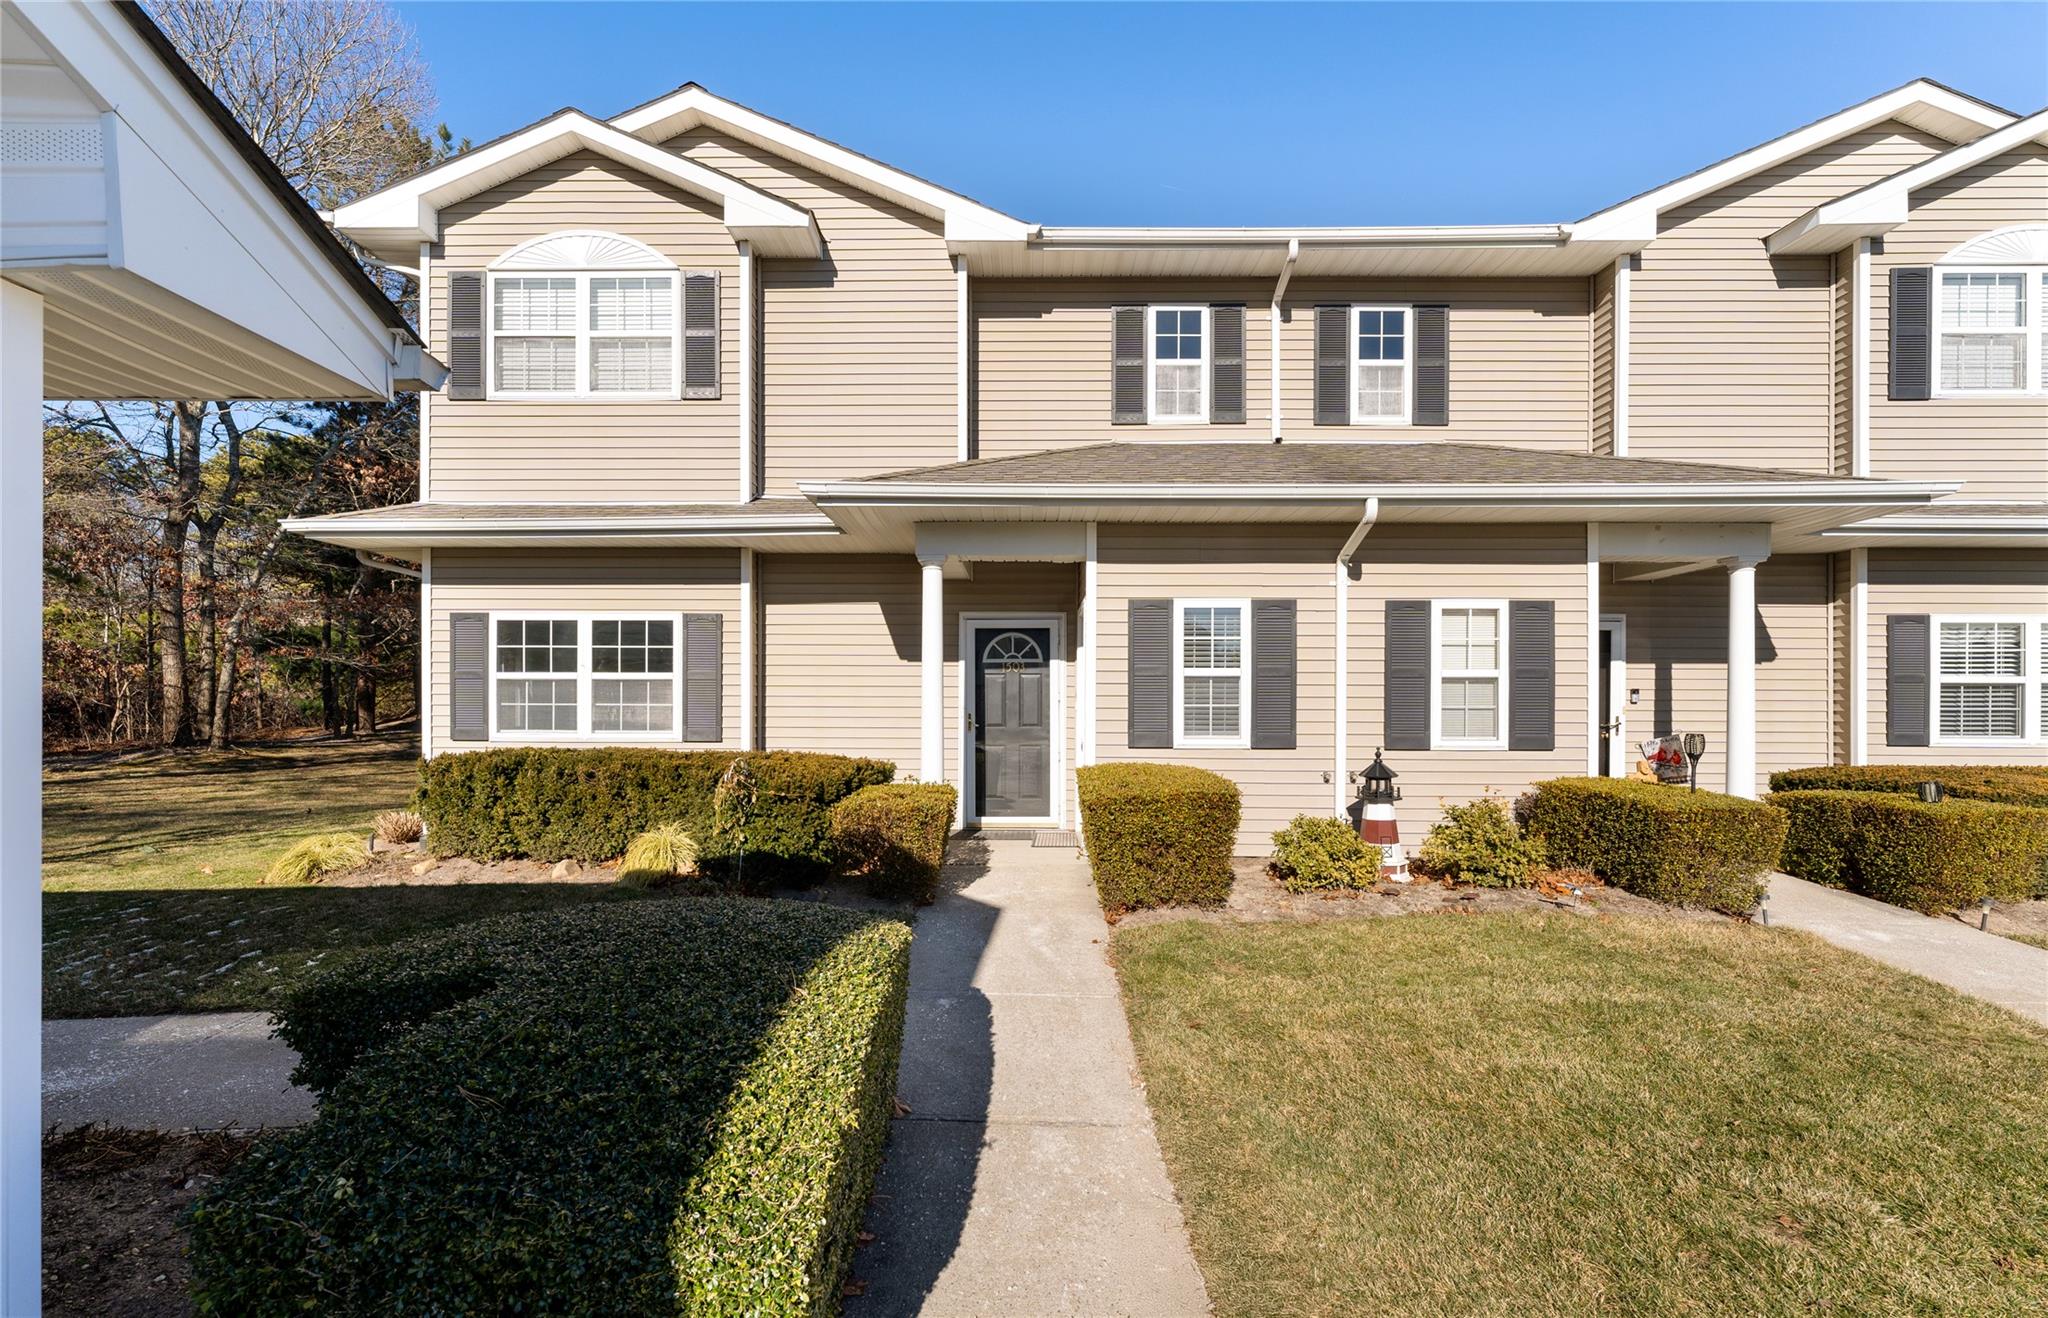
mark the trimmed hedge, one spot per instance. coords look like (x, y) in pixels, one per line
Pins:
(587, 803)
(1478, 843)
(1695, 848)
(893, 836)
(1319, 852)
(1902, 850)
(1158, 834)
(2007, 783)
(658, 1106)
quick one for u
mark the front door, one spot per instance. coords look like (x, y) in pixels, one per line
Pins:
(1012, 722)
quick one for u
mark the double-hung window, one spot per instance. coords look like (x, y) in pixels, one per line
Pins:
(585, 335)
(1211, 675)
(1381, 366)
(535, 672)
(1470, 691)
(1989, 331)
(1990, 680)
(603, 677)
(1177, 370)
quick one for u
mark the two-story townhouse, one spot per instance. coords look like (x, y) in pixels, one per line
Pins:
(753, 441)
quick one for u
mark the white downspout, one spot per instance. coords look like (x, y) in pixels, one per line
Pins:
(383, 564)
(1621, 332)
(1859, 363)
(748, 462)
(428, 677)
(1340, 770)
(1273, 328)
(426, 342)
(963, 358)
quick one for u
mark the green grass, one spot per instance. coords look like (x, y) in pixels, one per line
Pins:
(1524, 1114)
(2032, 940)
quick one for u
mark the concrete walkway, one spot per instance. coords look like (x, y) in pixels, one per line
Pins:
(1026, 1178)
(1998, 970)
(201, 1072)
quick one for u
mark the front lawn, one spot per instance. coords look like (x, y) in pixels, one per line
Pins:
(1521, 1114)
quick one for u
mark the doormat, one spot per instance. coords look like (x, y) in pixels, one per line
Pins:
(1051, 837)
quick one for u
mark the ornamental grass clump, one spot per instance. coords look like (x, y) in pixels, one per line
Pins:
(399, 826)
(1478, 843)
(323, 853)
(1316, 853)
(660, 855)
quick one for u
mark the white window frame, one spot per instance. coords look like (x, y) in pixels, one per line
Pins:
(1243, 673)
(1152, 416)
(2032, 681)
(1438, 674)
(2033, 293)
(1358, 364)
(584, 335)
(585, 677)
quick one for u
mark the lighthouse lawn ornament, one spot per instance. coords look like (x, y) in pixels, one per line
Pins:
(1376, 824)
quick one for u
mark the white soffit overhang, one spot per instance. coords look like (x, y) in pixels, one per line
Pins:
(1948, 525)
(1885, 204)
(393, 223)
(403, 531)
(1920, 104)
(690, 106)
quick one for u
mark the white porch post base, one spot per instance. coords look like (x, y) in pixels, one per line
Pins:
(932, 672)
(1741, 756)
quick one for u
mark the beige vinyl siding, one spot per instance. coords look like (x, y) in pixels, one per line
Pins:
(1998, 447)
(1520, 372)
(1936, 581)
(1730, 350)
(859, 349)
(1043, 365)
(1455, 562)
(582, 581)
(1600, 343)
(1678, 660)
(685, 451)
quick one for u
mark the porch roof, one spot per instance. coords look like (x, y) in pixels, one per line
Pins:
(405, 529)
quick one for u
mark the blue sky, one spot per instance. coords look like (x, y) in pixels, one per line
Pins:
(1247, 114)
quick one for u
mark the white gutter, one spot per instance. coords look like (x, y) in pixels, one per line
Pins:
(1341, 774)
(1273, 326)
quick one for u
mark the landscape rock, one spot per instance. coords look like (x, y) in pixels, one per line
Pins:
(424, 866)
(565, 869)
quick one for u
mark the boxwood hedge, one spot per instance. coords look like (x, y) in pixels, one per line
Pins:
(587, 802)
(2008, 783)
(1158, 834)
(661, 1106)
(893, 836)
(1899, 849)
(1696, 848)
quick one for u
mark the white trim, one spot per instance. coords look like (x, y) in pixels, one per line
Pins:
(1740, 755)
(1152, 311)
(748, 312)
(1089, 642)
(1357, 364)
(426, 395)
(1859, 362)
(749, 646)
(430, 678)
(1498, 675)
(962, 350)
(970, 704)
(2015, 244)
(931, 676)
(2032, 680)
(583, 336)
(1623, 267)
(1243, 672)
(1592, 650)
(1618, 763)
(584, 677)
(1859, 656)
(2032, 330)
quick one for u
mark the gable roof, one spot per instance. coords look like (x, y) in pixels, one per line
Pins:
(393, 222)
(1922, 104)
(690, 105)
(1882, 206)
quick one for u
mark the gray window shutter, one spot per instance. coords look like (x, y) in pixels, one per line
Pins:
(1273, 666)
(1333, 366)
(700, 334)
(1149, 713)
(1432, 366)
(1226, 365)
(1908, 655)
(1407, 675)
(465, 334)
(469, 661)
(1532, 675)
(1912, 350)
(703, 677)
(1127, 366)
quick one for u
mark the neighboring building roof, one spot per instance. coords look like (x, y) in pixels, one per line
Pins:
(1952, 523)
(393, 222)
(412, 526)
(1883, 206)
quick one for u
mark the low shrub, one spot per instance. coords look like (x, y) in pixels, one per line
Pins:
(1675, 845)
(399, 826)
(1158, 834)
(1316, 853)
(893, 837)
(662, 853)
(2010, 784)
(1902, 850)
(323, 853)
(645, 1107)
(587, 802)
(1478, 843)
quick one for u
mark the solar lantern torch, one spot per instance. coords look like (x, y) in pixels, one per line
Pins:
(1376, 823)
(1695, 746)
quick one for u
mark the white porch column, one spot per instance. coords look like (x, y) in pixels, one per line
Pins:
(21, 796)
(749, 650)
(1859, 656)
(931, 766)
(1741, 755)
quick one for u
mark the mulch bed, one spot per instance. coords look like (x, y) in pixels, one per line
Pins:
(113, 1208)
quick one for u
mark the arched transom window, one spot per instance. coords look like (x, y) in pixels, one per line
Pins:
(1012, 649)
(584, 315)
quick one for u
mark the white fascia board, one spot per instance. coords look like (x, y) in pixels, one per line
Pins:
(1449, 235)
(409, 213)
(1636, 218)
(1761, 493)
(315, 527)
(1884, 205)
(966, 220)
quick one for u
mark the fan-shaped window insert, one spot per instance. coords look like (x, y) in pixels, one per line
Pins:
(1012, 648)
